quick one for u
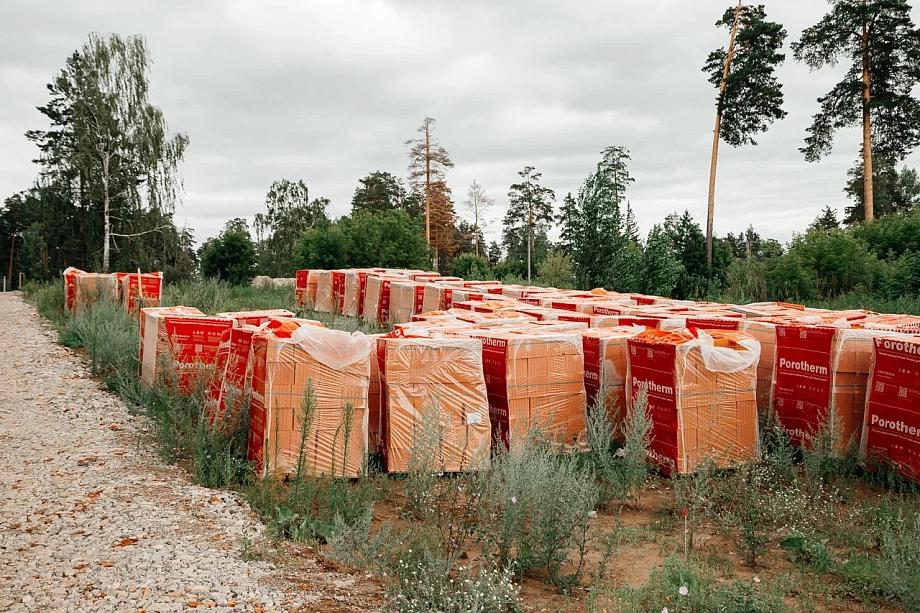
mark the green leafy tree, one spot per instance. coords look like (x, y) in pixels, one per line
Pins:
(289, 213)
(881, 47)
(231, 256)
(556, 271)
(662, 268)
(527, 221)
(893, 191)
(826, 221)
(839, 262)
(324, 248)
(891, 237)
(122, 140)
(382, 191)
(470, 267)
(790, 280)
(390, 239)
(750, 97)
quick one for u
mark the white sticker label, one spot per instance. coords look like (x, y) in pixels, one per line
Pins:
(473, 418)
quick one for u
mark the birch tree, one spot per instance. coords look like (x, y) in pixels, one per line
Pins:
(121, 139)
(750, 97)
(881, 45)
(478, 204)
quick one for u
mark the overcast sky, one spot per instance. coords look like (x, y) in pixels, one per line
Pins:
(330, 91)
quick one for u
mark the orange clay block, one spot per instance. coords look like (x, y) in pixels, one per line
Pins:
(545, 370)
(416, 372)
(286, 355)
(701, 395)
(605, 353)
(254, 318)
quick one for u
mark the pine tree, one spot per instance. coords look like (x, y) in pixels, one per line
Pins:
(894, 191)
(882, 47)
(527, 221)
(750, 97)
(661, 266)
(428, 162)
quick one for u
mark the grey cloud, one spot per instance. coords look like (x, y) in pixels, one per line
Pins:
(328, 92)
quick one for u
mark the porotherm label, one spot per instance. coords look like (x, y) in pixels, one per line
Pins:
(802, 387)
(893, 406)
(651, 366)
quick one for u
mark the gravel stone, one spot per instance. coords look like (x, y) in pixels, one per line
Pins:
(90, 520)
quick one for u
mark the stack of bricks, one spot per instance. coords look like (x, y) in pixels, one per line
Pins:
(605, 352)
(439, 380)
(438, 297)
(287, 355)
(377, 298)
(186, 344)
(139, 290)
(90, 287)
(818, 367)
(406, 299)
(699, 410)
(891, 433)
(534, 380)
(254, 318)
(355, 287)
(325, 297)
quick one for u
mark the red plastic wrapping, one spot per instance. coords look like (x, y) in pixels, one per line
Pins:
(140, 290)
(701, 395)
(188, 342)
(254, 318)
(892, 424)
(605, 352)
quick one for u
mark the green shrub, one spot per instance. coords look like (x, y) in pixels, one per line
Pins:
(536, 511)
(790, 280)
(682, 586)
(426, 583)
(110, 337)
(48, 299)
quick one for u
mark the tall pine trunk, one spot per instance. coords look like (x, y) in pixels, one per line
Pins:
(716, 136)
(427, 182)
(529, 237)
(868, 201)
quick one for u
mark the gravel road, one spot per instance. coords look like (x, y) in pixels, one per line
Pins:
(91, 521)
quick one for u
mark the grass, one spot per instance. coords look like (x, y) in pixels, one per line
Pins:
(812, 527)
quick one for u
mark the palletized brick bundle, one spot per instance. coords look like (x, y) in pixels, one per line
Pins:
(818, 366)
(534, 379)
(406, 298)
(228, 393)
(305, 288)
(286, 354)
(438, 297)
(377, 298)
(140, 290)
(605, 351)
(70, 287)
(325, 296)
(90, 287)
(355, 286)
(892, 421)
(447, 371)
(186, 344)
(254, 318)
(701, 395)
